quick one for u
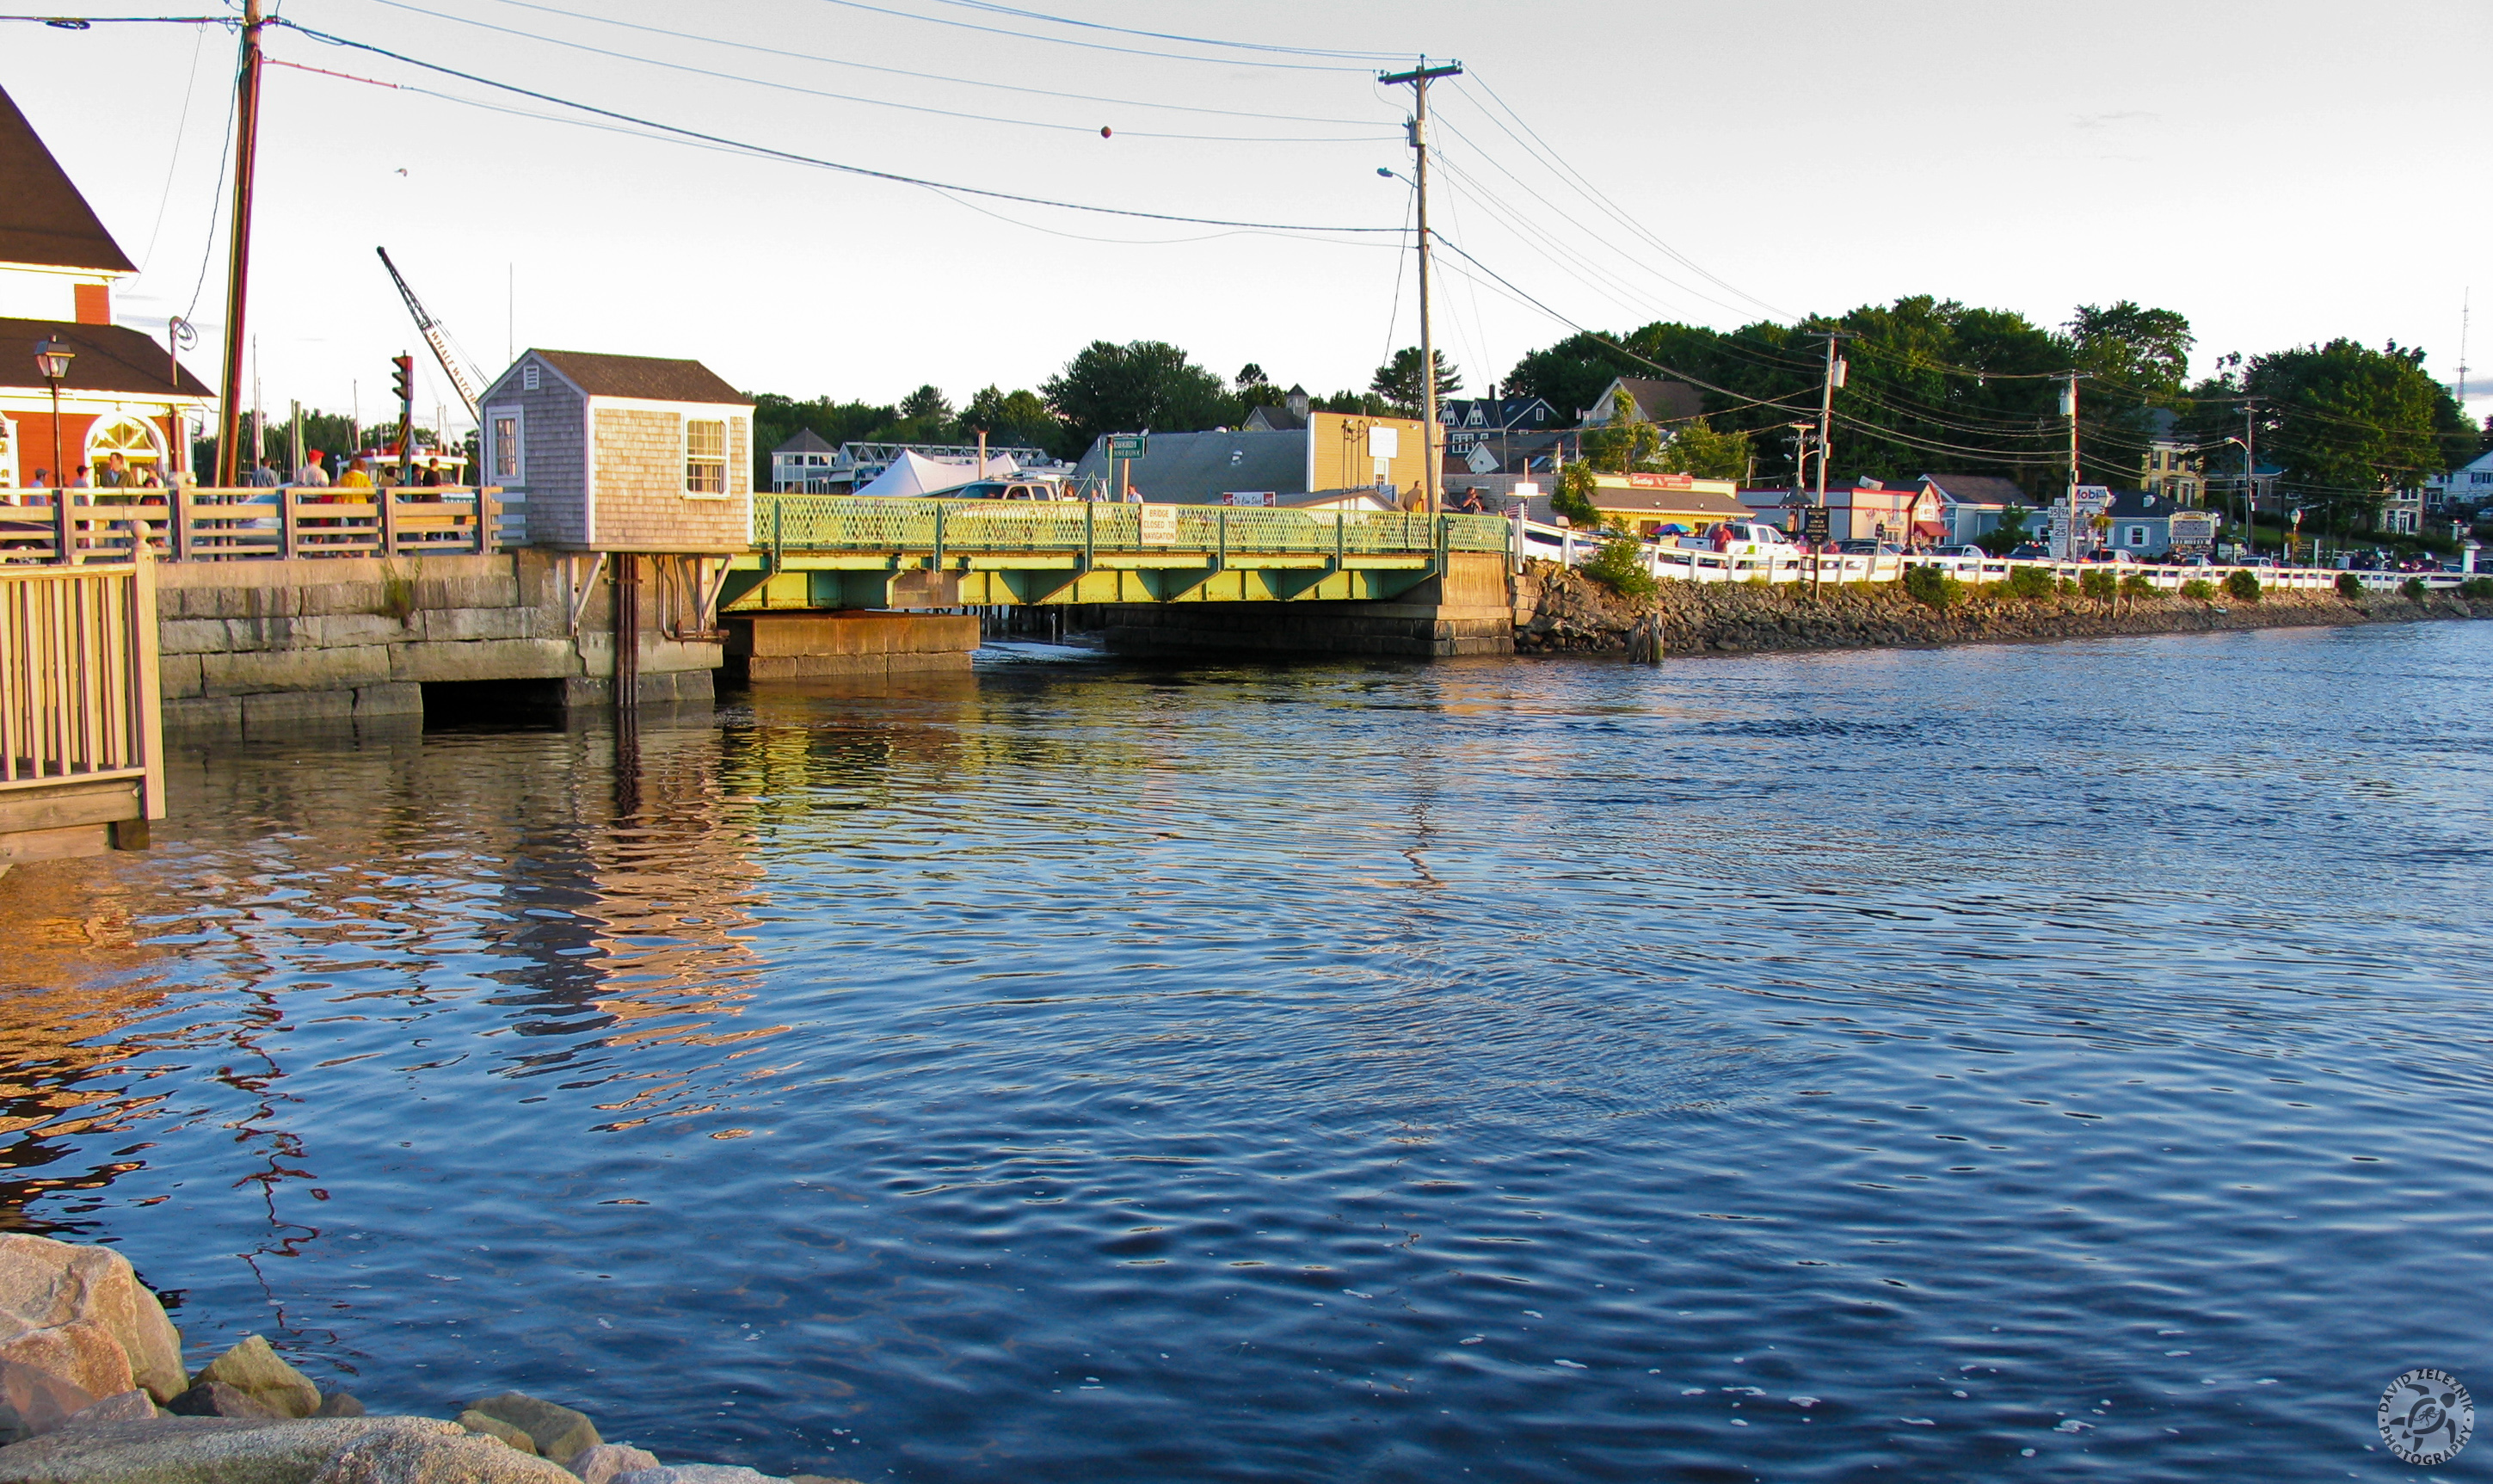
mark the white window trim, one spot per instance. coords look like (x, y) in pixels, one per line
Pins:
(519, 417)
(727, 454)
(9, 465)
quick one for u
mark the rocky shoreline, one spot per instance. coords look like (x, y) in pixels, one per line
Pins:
(93, 1392)
(1562, 611)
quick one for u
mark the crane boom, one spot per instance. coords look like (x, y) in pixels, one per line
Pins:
(458, 374)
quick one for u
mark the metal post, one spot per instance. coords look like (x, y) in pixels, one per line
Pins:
(2070, 406)
(1418, 77)
(229, 467)
(2250, 477)
(59, 480)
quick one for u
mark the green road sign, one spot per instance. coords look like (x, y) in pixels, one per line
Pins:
(1127, 445)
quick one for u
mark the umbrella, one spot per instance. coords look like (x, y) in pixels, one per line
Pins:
(1674, 528)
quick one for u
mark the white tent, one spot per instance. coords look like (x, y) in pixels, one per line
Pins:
(914, 474)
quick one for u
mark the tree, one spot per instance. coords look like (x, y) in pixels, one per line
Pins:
(927, 404)
(1697, 449)
(1146, 385)
(1397, 380)
(1257, 390)
(1627, 442)
(1011, 417)
(1573, 497)
(2349, 424)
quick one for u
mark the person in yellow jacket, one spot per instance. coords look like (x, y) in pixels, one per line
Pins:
(356, 477)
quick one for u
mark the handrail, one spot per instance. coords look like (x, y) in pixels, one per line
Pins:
(72, 527)
(791, 523)
(78, 686)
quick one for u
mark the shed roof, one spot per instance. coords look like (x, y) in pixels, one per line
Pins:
(103, 358)
(43, 220)
(1977, 489)
(1189, 468)
(645, 378)
(1706, 502)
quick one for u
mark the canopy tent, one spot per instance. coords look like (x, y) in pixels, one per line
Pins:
(914, 474)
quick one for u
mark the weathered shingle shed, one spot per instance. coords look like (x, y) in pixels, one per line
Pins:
(622, 453)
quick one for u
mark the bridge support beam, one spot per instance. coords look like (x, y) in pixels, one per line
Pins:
(762, 648)
(1466, 608)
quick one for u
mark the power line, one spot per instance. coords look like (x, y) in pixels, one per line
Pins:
(792, 156)
(903, 72)
(879, 102)
(1163, 36)
(1135, 51)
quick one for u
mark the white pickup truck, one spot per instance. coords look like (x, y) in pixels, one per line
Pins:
(1744, 538)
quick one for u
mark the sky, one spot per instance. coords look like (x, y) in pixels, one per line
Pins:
(2281, 172)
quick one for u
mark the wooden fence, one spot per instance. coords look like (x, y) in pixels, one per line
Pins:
(208, 525)
(82, 735)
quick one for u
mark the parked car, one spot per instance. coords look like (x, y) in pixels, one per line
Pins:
(2030, 552)
(2114, 557)
(2184, 561)
(1959, 553)
(1009, 489)
(1868, 548)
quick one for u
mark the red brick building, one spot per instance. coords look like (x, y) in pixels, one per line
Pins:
(125, 393)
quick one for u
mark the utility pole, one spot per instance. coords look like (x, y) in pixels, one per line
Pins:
(229, 467)
(2250, 475)
(1837, 372)
(2069, 409)
(1419, 78)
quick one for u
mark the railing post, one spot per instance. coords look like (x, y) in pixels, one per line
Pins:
(177, 511)
(488, 521)
(64, 530)
(385, 503)
(1090, 534)
(1221, 539)
(939, 537)
(285, 524)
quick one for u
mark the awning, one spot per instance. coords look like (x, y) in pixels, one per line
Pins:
(1929, 530)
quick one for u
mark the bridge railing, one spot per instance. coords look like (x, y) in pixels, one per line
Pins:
(66, 528)
(78, 697)
(831, 522)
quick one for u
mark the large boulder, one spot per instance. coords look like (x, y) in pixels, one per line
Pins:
(220, 1450)
(33, 1401)
(556, 1431)
(85, 1355)
(47, 1285)
(484, 1425)
(600, 1465)
(131, 1406)
(699, 1473)
(216, 1399)
(258, 1373)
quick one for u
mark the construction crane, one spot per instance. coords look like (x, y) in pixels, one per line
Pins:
(460, 377)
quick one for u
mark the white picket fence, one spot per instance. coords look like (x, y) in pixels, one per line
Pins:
(1784, 563)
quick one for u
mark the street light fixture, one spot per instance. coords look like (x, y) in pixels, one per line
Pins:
(52, 360)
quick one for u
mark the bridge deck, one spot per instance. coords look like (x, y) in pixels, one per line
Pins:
(820, 551)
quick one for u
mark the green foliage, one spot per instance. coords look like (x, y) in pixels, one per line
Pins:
(2098, 581)
(2476, 589)
(2066, 587)
(1933, 587)
(1353, 404)
(2412, 589)
(2027, 583)
(2349, 586)
(1697, 449)
(1620, 567)
(1397, 380)
(1626, 443)
(2010, 533)
(1573, 495)
(1142, 386)
(2347, 423)
(398, 593)
(2138, 585)
(2198, 589)
(1012, 418)
(2242, 585)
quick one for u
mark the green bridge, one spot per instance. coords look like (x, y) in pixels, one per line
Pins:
(817, 552)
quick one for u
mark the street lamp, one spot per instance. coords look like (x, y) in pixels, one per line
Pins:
(52, 360)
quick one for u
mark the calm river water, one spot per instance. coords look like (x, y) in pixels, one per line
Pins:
(2040, 1062)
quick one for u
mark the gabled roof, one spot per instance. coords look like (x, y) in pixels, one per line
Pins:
(1275, 419)
(1976, 489)
(103, 358)
(1609, 497)
(643, 378)
(1656, 401)
(1190, 468)
(2135, 504)
(43, 220)
(806, 440)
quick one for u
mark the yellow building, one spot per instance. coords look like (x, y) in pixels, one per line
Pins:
(1346, 450)
(1645, 504)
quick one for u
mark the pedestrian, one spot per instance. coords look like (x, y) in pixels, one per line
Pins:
(312, 473)
(80, 482)
(113, 474)
(263, 477)
(43, 479)
(356, 477)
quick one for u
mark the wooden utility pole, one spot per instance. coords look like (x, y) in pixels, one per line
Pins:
(1419, 78)
(2069, 409)
(230, 468)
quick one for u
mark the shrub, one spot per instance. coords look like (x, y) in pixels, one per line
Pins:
(2098, 581)
(2199, 590)
(2412, 590)
(1933, 587)
(2068, 587)
(1574, 496)
(2477, 588)
(2243, 585)
(2028, 583)
(2138, 585)
(2349, 586)
(1619, 567)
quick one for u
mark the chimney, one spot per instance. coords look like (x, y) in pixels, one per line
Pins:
(1298, 401)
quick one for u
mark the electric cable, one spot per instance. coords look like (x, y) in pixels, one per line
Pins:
(1064, 41)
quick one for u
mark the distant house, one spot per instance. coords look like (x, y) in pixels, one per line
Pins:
(1291, 416)
(1656, 402)
(803, 464)
(124, 393)
(1864, 510)
(2401, 512)
(1333, 451)
(1973, 506)
(622, 453)
(2141, 522)
(2171, 465)
(2468, 487)
(1489, 435)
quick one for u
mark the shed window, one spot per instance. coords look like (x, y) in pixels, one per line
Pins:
(704, 456)
(507, 465)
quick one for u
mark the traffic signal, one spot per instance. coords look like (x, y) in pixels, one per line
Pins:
(403, 376)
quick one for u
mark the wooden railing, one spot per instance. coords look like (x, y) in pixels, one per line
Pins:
(78, 698)
(74, 527)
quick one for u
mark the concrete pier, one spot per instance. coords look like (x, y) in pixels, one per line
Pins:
(263, 646)
(856, 642)
(1467, 608)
